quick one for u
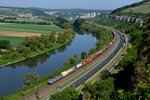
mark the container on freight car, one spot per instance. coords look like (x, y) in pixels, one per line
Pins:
(78, 65)
(90, 59)
(70, 70)
(94, 56)
(98, 53)
(65, 73)
(83, 62)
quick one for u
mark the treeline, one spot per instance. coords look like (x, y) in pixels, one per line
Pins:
(100, 90)
(68, 94)
(36, 43)
(62, 22)
(25, 22)
(103, 36)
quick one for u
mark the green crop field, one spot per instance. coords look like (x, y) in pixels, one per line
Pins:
(32, 28)
(30, 20)
(14, 40)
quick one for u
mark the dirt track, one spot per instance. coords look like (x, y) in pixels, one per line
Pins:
(18, 34)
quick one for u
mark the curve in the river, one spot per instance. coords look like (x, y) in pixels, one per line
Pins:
(11, 76)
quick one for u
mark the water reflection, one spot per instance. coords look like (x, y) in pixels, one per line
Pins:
(97, 35)
(33, 62)
(43, 64)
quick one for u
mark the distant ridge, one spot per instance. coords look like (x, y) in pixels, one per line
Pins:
(46, 13)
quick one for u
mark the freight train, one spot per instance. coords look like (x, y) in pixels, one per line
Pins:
(81, 64)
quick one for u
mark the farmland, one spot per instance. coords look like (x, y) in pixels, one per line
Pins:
(30, 20)
(31, 28)
(15, 32)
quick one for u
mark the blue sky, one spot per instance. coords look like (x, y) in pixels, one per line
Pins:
(59, 4)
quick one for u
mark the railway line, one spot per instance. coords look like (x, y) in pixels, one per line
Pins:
(101, 65)
(88, 70)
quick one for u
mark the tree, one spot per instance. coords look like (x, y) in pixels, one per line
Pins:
(22, 50)
(5, 44)
(68, 32)
(74, 59)
(83, 55)
(31, 78)
(122, 95)
(61, 22)
(91, 51)
(77, 24)
(44, 40)
(100, 90)
(52, 37)
(31, 42)
(68, 94)
(61, 38)
(142, 91)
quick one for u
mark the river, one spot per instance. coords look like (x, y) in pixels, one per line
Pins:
(11, 76)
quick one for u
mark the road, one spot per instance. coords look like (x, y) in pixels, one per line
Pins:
(83, 79)
(89, 70)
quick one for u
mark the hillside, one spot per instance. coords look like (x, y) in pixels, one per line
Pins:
(14, 11)
(142, 7)
(46, 13)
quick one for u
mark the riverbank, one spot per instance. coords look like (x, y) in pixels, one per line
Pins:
(41, 84)
(43, 80)
(12, 60)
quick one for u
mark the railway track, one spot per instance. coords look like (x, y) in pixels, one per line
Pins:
(98, 64)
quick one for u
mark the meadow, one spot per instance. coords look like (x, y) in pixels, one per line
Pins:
(144, 8)
(31, 28)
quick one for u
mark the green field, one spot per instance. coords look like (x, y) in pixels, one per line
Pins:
(14, 40)
(144, 8)
(30, 20)
(32, 28)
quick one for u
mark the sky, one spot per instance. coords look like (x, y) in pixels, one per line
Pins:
(65, 4)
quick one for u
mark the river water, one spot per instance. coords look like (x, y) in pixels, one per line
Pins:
(11, 76)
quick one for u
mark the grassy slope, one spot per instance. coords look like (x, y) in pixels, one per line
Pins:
(144, 8)
(43, 29)
(14, 40)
